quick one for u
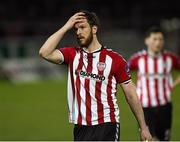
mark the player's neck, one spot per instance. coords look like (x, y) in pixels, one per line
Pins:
(94, 46)
(153, 54)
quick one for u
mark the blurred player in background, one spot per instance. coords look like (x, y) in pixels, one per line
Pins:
(154, 82)
(93, 74)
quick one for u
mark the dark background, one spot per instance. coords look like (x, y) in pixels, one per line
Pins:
(42, 17)
(33, 92)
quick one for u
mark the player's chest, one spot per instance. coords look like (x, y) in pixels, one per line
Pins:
(159, 65)
(92, 66)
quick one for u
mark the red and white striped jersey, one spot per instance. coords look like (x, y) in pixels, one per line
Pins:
(154, 81)
(92, 84)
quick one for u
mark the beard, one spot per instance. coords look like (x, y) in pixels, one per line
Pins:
(157, 50)
(86, 42)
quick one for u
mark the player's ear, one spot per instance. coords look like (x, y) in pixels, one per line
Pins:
(94, 29)
(146, 40)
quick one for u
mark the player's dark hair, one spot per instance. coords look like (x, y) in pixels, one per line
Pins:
(91, 17)
(154, 29)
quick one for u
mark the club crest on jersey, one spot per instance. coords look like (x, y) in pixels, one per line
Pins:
(101, 66)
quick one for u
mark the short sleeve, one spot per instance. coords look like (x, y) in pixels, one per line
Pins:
(67, 54)
(176, 61)
(122, 70)
(133, 62)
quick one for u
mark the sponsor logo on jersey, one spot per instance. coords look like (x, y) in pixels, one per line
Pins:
(155, 75)
(89, 75)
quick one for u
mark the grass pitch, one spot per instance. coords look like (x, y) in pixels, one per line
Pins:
(38, 111)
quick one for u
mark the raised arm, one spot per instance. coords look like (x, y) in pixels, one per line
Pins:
(48, 51)
(134, 103)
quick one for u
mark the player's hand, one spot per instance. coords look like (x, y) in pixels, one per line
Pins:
(78, 17)
(145, 134)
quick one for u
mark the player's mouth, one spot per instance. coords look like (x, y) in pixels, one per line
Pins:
(80, 38)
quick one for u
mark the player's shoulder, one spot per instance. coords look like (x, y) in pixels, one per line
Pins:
(114, 55)
(70, 48)
(170, 54)
(139, 54)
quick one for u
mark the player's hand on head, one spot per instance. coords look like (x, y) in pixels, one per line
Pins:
(78, 17)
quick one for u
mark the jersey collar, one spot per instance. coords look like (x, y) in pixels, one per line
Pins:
(95, 51)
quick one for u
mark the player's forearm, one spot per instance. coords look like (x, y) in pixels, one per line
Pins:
(176, 81)
(137, 110)
(51, 43)
(134, 103)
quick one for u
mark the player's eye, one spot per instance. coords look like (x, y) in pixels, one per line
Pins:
(75, 29)
(82, 27)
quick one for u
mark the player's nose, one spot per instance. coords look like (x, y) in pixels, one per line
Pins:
(78, 32)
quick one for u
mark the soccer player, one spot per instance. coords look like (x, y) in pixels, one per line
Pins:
(154, 83)
(93, 74)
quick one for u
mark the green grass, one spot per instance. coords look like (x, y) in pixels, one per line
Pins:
(38, 111)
